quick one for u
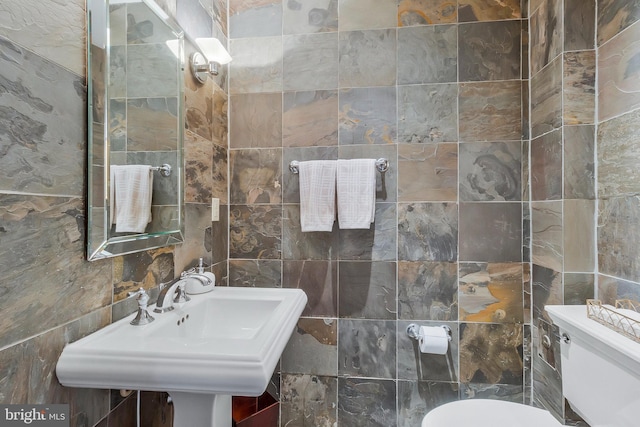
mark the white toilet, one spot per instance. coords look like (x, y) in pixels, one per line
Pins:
(488, 413)
(600, 379)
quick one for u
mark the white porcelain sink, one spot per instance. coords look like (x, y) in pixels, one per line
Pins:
(225, 342)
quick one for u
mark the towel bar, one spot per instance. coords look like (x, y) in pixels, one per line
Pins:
(165, 169)
(382, 165)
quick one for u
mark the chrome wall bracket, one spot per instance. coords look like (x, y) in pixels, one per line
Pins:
(201, 68)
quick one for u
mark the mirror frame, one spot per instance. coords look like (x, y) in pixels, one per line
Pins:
(101, 243)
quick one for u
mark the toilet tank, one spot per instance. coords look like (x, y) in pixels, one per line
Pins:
(600, 369)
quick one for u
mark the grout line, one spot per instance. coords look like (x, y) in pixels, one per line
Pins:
(596, 126)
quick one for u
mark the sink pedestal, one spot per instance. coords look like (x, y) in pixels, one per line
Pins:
(202, 410)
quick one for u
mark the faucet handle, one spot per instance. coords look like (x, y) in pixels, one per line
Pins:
(143, 317)
(195, 270)
(141, 295)
(181, 295)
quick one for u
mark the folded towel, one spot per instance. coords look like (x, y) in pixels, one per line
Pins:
(317, 195)
(356, 186)
(131, 188)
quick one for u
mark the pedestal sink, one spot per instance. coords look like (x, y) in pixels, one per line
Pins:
(222, 343)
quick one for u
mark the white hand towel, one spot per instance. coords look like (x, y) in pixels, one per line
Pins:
(356, 183)
(131, 189)
(317, 195)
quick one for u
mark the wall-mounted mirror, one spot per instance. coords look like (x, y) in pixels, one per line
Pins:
(135, 128)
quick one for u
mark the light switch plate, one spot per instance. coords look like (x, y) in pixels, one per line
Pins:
(215, 209)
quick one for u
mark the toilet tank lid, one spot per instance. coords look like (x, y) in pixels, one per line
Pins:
(573, 320)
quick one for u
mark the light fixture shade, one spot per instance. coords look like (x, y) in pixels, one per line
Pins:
(213, 50)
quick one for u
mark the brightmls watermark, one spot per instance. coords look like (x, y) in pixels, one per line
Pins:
(34, 415)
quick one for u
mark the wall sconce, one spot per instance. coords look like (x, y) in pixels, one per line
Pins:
(213, 54)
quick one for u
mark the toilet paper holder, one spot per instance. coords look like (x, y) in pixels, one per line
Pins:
(413, 331)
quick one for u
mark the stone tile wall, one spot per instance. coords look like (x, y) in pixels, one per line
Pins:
(50, 294)
(618, 102)
(562, 178)
(578, 233)
(568, 45)
(430, 86)
(440, 90)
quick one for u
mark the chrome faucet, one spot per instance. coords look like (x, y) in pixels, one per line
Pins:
(174, 291)
(165, 298)
(199, 275)
(204, 280)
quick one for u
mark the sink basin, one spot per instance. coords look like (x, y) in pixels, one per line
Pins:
(225, 342)
(249, 316)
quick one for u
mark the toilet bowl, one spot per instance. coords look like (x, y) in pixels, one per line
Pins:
(488, 413)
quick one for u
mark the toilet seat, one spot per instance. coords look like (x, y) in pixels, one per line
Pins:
(488, 413)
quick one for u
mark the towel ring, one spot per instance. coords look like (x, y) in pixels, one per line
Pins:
(382, 165)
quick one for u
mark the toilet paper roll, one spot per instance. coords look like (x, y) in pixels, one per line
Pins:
(433, 340)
